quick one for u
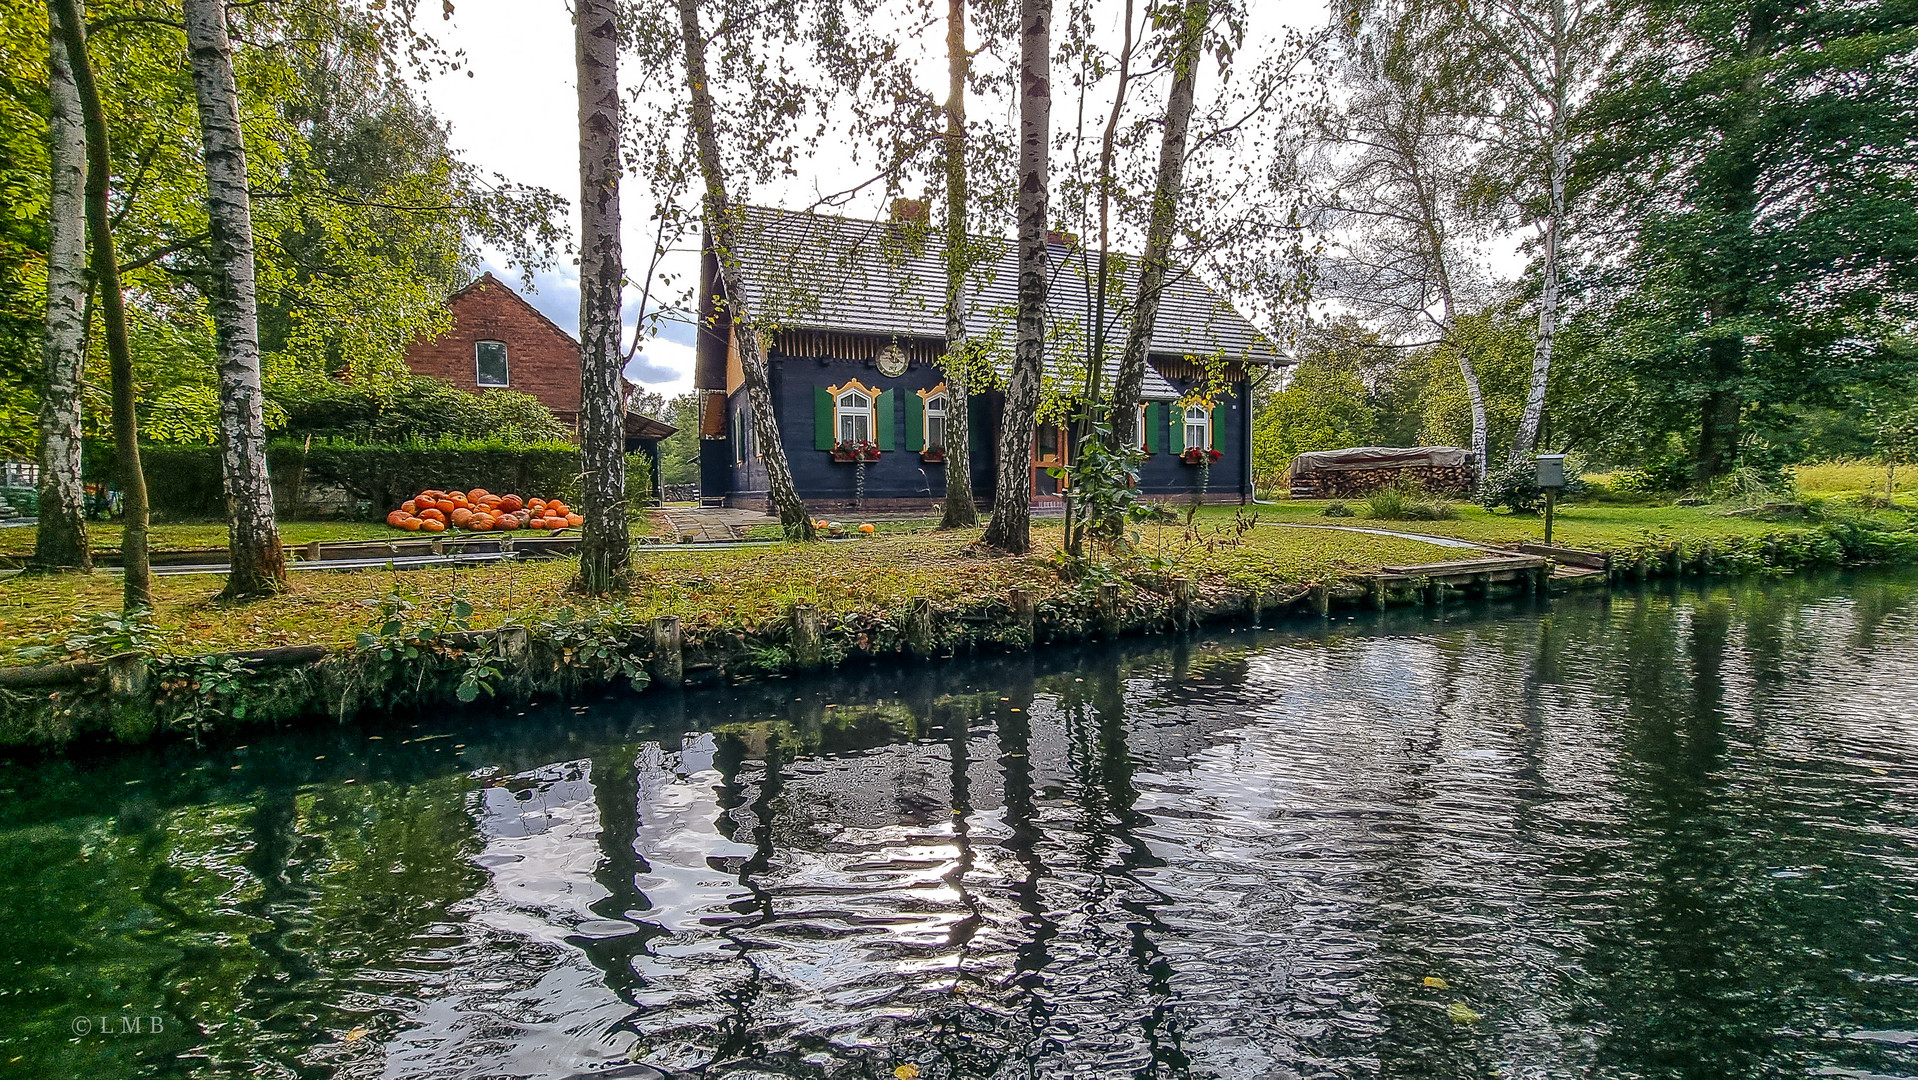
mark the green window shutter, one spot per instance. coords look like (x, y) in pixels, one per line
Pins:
(884, 418)
(822, 432)
(915, 423)
(1218, 422)
(1176, 428)
(1154, 427)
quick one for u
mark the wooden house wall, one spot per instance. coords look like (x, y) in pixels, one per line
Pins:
(899, 474)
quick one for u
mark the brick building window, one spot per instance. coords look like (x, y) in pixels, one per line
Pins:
(489, 363)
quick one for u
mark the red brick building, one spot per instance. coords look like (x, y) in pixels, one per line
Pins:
(499, 341)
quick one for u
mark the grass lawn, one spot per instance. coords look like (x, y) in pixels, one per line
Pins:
(1593, 527)
(105, 536)
(705, 587)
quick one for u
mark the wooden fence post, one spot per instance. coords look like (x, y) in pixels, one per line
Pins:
(1109, 607)
(1320, 598)
(1182, 602)
(919, 626)
(807, 651)
(1023, 613)
(669, 663)
(1380, 594)
(128, 675)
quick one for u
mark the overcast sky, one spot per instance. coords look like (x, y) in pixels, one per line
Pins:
(512, 111)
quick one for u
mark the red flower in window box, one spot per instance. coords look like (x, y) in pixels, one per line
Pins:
(1195, 456)
(855, 451)
(933, 455)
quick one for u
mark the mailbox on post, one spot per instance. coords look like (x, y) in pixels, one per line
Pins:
(1551, 471)
(1551, 477)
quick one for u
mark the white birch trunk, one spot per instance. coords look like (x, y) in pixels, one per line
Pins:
(61, 541)
(257, 565)
(1153, 265)
(960, 510)
(605, 544)
(1010, 529)
(1530, 421)
(722, 226)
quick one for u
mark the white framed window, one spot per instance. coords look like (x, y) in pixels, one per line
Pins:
(1138, 428)
(1198, 427)
(489, 364)
(852, 415)
(937, 406)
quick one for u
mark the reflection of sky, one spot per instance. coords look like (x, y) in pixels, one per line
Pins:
(1257, 877)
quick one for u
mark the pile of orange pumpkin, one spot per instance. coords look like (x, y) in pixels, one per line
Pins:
(436, 511)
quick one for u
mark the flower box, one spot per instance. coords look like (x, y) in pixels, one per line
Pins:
(933, 455)
(855, 452)
(1195, 456)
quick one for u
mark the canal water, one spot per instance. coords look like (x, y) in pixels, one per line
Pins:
(1669, 834)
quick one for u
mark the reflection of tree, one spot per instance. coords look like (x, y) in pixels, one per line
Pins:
(737, 1037)
(616, 797)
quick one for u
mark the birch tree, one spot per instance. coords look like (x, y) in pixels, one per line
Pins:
(137, 594)
(1010, 528)
(61, 540)
(256, 562)
(1544, 55)
(1188, 22)
(1397, 180)
(605, 547)
(722, 220)
(960, 511)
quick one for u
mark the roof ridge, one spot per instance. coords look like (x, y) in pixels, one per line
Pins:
(487, 276)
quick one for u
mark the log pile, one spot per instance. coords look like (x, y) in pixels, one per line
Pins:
(1358, 483)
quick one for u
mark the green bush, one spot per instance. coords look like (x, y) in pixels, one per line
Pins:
(394, 411)
(184, 482)
(639, 480)
(1407, 501)
(1514, 486)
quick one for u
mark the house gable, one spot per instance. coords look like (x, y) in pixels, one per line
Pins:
(542, 360)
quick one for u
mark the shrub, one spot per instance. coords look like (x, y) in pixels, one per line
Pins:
(184, 482)
(1407, 501)
(1514, 486)
(392, 411)
(639, 481)
(1336, 509)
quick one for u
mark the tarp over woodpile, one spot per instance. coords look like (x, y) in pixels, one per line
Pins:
(1377, 457)
(1361, 470)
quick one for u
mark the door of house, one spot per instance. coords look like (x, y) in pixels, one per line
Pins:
(1051, 449)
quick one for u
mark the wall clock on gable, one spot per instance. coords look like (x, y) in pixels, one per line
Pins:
(892, 362)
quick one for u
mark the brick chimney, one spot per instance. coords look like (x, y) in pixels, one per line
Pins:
(1062, 239)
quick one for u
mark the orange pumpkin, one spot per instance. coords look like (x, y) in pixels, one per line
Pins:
(509, 522)
(435, 514)
(483, 522)
(409, 507)
(555, 523)
(510, 503)
(537, 523)
(558, 508)
(433, 526)
(574, 519)
(395, 518)
(462, 516)
(477, 494)
(412, 524)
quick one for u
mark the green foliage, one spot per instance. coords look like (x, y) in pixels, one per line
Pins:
(1407, 501)
(600, 646)
(93, 636)
(408, 407)
(1755, 158)
(196, 692)
(183, 483)
(1325, 405)
(639, 481)
(1500, 343)
(1336, 510)
(1514, 486)
(679, 452)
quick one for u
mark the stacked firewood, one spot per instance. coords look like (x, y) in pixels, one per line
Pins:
(1358, 483)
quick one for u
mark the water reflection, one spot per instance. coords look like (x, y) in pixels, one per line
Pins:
(1672, 834)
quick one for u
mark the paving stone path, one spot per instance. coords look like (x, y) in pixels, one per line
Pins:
(709, 523)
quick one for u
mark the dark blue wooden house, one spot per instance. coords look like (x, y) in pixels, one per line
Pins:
(855, 359)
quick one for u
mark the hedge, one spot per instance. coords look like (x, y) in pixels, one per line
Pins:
(184, 482)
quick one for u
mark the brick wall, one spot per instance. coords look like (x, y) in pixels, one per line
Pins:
(542, 359)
